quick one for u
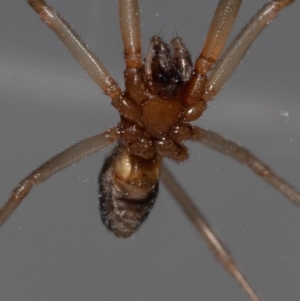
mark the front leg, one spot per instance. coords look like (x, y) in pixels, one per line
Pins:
(79, 49)
(236, 51)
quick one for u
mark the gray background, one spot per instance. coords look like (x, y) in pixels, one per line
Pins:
(55, 248)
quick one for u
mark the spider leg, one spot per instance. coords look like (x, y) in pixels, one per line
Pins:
(220, 28)
(242, 155)
(217, 36)
(216, 245)
(130, 26)
(76, 152)
(86, 58)
(131, 32)
(235, 52)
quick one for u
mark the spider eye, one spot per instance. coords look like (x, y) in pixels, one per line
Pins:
(162, 77)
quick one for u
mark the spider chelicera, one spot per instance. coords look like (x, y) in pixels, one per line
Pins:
(164, 89)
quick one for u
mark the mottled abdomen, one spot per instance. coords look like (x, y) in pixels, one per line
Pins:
(128, 190)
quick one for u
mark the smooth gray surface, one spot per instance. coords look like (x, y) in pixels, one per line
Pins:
(55, 248)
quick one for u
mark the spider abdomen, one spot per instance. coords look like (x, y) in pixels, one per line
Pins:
(128, 190)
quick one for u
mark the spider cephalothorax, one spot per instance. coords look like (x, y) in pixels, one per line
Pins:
(160, 125)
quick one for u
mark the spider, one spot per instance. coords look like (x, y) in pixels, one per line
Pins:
(174, 78)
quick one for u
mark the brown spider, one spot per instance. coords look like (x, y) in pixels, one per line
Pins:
(171, 90)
